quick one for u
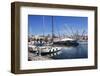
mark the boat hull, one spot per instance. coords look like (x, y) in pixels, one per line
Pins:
(66, 43)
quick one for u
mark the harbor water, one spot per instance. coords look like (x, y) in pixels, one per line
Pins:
(80, 51)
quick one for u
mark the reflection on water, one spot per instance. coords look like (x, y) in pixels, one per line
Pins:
(80, 51)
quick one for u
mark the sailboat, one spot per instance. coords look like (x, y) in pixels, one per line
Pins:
(66, 42)
(63, 41)
(47, 49)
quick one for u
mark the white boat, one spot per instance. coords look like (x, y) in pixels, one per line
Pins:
(32, 48)
(49, 49)
(66, 42)
(44, 49)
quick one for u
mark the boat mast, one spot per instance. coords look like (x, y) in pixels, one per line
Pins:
(52, 30)
(43, 26)
(66, 29)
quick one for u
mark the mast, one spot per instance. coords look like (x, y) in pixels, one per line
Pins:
(43, 26)
(68, 32)
(52, 30)
(82, 36)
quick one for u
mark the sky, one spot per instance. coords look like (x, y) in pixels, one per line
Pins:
(42, 24)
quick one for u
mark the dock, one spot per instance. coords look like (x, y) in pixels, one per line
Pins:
(34, 57)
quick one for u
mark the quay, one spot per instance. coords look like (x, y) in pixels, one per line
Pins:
(34, 57)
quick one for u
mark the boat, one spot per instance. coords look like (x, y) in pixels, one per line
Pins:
(66, 42)
(42, 48)
(49, 50)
